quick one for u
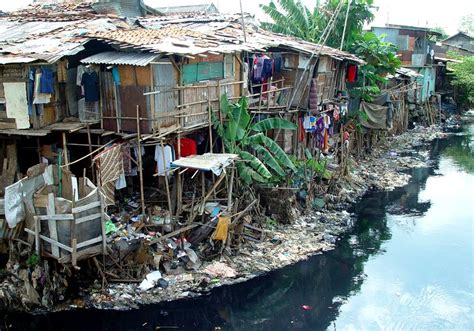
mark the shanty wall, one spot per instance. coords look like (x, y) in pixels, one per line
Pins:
(52, 111)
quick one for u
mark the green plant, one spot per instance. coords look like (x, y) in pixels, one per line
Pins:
(463, 79)
(33, 260)
(241, 136)
(380, 58)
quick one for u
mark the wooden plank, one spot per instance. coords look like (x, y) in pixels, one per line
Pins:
(53, 230)
(86, 207)
(59, 217)
(90, 242)
(88, 218)
(74, 252)
(174, 233)
(52, 242)
(85, 253)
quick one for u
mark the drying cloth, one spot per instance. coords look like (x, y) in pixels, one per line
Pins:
(376, 116)
(14, 207)
(351, 75)
(46, 81)
(116, 75)
(222, 229)
(38, 97)
(110, 168)
(163, 158)
(17, 104)
(188, 147)
(90, 81)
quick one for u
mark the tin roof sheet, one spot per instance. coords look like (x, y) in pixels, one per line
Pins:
(121, 58)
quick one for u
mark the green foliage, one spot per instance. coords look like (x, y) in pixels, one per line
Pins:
(439, 29)
(292, 18)
(464, 79)
(33, 260)
(380, 58)
(241, 136)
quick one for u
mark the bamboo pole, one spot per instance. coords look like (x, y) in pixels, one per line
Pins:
(66, 156)
(209, 118)
(168, 195)
(89, 142)
(140, 163)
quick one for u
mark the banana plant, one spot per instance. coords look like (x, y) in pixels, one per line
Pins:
(242, 137)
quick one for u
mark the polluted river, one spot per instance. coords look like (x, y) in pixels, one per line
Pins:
(407, 264)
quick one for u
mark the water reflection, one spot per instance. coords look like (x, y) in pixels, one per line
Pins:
(325, 283)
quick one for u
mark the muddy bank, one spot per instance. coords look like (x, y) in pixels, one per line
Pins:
(313, 233)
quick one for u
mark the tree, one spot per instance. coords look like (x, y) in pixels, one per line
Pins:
(380, 58)
(240, 136)
(466, 24)
(463, 79)
(292, 18)
(439, 29)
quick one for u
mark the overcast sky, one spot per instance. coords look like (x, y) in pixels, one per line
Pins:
(445, 14)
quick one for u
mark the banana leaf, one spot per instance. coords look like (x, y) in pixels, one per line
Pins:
(274, 148)
(248, 175)
(269, 160)
(273, 123)
(256, 164)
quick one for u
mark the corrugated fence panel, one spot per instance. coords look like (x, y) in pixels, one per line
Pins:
(164, 80)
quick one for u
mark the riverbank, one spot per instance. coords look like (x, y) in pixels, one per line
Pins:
(382, 169)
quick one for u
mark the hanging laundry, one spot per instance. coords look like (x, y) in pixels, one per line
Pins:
(309, 123)
(80, 71)
(278, 62)
(267, 70)
(188, 147)
(38, 97)
(109, 169)
(163, 158)
(46, 81)
(351, 74)
(336, 114)
(258, 63)
(90, 81)
(313, 96)
(127, 159)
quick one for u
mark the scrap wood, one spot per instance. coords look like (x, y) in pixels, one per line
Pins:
(174, 233)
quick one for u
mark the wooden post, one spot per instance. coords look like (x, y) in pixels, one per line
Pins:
(38, 145)
(179, 194)
(140, 163)
(53, 231)
(168, 195)
(73, 231)
(66, 156)
(269, 85)
(219, 110)
(229, 193)
(209, 117)
(89, 141)
(102, 226)
(37, 234)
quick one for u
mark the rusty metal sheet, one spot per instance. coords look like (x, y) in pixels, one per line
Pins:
(130, 97)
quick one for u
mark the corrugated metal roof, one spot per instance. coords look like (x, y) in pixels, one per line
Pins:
(48, 41)
(121, 58)
(11, 59)
(197, 34)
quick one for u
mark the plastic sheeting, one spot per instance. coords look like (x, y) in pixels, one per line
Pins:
(376, 116)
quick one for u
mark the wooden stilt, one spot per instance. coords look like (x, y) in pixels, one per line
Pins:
(66, 156)
(140, 163)
(179, 204)
(168, 195)
(89, 141)
(229, 192)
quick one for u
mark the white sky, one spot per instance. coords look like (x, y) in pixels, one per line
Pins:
(429, 13)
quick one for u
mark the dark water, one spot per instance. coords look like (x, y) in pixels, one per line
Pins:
(409, 264)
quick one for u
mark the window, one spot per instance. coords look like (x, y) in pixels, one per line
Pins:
(202, 71)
